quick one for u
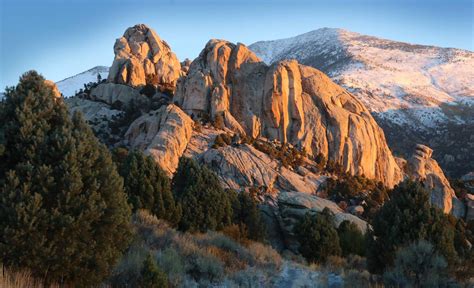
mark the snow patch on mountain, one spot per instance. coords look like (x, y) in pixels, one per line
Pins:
(400, 82)
(71, 85)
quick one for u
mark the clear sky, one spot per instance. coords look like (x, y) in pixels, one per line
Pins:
(60, 38)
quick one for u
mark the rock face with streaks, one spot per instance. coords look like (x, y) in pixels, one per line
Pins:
(163, 134)
(422, 167)
(141, 58)
(288, 102)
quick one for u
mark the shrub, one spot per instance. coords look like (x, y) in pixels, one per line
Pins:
(148, 187)
(63, 212)
(351, 239)
(148, 90)
(417, 265)
(151, 274)
(317, 236)
(204, 267)
(407, 218)
(173, 265)
(205, 205)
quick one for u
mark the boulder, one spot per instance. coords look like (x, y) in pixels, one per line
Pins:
(117, 95)
(292, 206)
(141, 58)
(163, 134)
(422, 167)
(287, 102)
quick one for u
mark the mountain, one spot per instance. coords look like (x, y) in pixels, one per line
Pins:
(418, 94)
(73, 84)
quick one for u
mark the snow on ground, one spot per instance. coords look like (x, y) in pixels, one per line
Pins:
(70, 85)
(400, 82)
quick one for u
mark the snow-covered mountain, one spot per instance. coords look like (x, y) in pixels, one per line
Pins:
(418, 94)
(70, 85)
(404, 83)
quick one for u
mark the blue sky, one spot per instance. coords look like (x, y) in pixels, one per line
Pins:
(61, 38)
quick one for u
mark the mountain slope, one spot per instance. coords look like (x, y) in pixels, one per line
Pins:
(420, 91)
(70, 85)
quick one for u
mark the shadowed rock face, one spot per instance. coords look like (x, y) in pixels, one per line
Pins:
(141, 58)
(422, 167)
(288, 102)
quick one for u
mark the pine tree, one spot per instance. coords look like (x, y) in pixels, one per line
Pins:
(148, 187)
(317, 236)
(205, 205)
(407, 218)
(63, 212)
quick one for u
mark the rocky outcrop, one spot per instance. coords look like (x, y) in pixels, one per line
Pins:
(163, 134)
(50, 84)
(292, 206)
(422, 167)
(117, 95)
(287, 102)
(243, 166)
(141, 58)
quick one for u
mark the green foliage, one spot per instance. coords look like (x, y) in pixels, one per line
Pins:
(348, 187)
(407, 218)
(288, 155)
(321, 161)
(417, 265)
(148, 187)
(246, 215)
(317, 236)
(205, 205)
(351, 239)
(151, 274)
(63, 212)
(222, 140)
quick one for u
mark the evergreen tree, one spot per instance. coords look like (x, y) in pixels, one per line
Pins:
(351, 239)
(247, 215)
(317, 236)
(63, 212)
(205, 205)
(405, 219)
(148, 187)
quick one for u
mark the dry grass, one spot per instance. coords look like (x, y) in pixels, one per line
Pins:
(19, 279)
(203, 258)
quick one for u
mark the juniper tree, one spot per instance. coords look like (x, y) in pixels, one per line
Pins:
(148, 187)
(63, 212)
(317, 236)
(406, 218)
(205, 204)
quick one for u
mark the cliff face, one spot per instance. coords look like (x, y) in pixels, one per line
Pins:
(141, 58)
(288, 102)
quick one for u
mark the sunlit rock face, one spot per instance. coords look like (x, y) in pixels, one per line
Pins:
(162, 134)
(50, 84)
(288, 102)
(422, 167)
(141, 58)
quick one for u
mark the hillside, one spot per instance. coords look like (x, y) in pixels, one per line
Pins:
(70, 85)
(423, 92)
